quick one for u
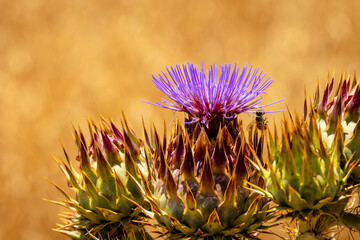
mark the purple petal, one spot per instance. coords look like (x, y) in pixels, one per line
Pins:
(203, 95)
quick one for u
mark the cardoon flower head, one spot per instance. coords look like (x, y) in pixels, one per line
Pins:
(108, 183)
(306, 177)
(203, 96)
(203, 172)
(340, 108)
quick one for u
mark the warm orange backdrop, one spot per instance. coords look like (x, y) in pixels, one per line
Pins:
(62, 61)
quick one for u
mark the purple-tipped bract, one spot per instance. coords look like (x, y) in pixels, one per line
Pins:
(203, 95)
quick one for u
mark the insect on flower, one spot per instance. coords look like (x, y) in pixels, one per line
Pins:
(260, 121)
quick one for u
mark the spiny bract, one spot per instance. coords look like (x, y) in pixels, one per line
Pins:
(343, 108)
(108, 185)
(305, 175)
(202, 192)
(339, 111)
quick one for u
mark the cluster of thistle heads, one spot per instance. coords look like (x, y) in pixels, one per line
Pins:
(214, 178)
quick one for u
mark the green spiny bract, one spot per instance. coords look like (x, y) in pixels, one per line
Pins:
(305, 175)
(343, 108)
(113, 171)
(202, 192)
(339, 110)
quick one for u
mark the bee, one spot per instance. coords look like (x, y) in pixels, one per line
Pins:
(259, 121)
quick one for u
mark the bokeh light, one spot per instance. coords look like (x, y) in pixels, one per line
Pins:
(64, 61)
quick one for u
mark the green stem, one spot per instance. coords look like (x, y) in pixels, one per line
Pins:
(305, 230)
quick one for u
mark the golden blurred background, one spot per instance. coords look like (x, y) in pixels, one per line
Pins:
(63, 61)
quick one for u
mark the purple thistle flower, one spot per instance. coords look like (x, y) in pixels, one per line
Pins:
(203, 96)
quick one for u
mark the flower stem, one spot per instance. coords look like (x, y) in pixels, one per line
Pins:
(305, 230)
